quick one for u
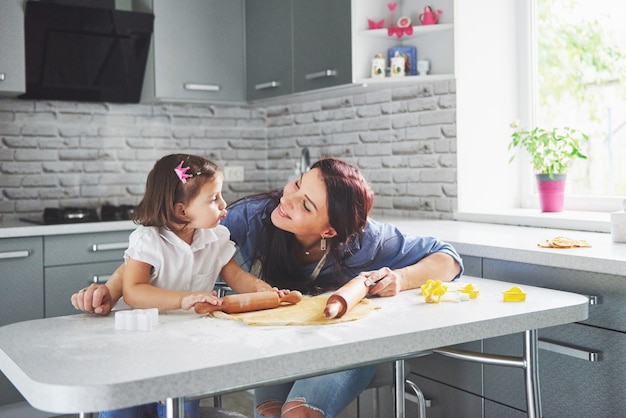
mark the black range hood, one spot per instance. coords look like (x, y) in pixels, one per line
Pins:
(85, 53)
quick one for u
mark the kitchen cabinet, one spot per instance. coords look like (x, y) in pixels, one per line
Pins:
(321, 44)
(21, 298)
(295, 46)
(434, 43)
(75, 261)
(12, 64)
(197, 51)
(39, 274)
(580, 365)
(268, 48)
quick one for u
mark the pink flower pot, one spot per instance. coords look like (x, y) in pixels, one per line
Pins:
(551, 192)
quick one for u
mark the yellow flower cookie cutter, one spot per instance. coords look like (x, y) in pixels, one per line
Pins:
(433, 291)
(514, 294)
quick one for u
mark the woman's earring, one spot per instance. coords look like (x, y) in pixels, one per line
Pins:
(323, 244)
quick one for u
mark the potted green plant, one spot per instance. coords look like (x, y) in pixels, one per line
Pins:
(551, 152)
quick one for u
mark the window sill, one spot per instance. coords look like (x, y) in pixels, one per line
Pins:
(570, 220)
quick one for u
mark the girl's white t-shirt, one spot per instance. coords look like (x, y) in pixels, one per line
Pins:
(178, 265)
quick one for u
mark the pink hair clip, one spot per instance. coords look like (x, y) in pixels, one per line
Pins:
(181, 172)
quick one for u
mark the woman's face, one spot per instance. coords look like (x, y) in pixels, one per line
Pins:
(303, 209)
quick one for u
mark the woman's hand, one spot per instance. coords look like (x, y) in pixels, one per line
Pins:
(95, 298)
(382, 282)
(187, 302)
(281, 292)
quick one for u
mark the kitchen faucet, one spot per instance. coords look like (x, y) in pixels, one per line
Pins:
(305, 161)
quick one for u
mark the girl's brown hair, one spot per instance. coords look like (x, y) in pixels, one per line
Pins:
(164, 188)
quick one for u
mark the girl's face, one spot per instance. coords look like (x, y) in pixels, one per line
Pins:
(208, 207)
(303, 209)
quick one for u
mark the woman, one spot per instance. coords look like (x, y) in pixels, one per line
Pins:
(314, 235)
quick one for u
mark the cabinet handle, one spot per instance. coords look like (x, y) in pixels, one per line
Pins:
(100, 279)
(268, 85)
(2, 75)
(108, 247)
(14, 254)
(321, 74)
(593, 300)
(580, 353)
(201, 87)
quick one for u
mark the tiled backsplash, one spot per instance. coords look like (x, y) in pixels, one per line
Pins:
(89, 154)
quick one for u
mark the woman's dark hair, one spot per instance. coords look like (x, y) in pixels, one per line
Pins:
(166, 186)
(349, 200)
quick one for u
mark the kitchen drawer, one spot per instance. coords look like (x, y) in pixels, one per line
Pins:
(445, 401)
(472, 266)
(608, 291)
(464, 375)
(496, 410)
(570, 386)
(62, 281)
(85, 248)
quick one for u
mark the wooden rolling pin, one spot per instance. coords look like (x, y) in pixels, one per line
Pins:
(345, 298)
(248, 302)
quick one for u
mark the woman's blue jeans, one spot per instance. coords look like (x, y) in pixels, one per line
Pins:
(329, 393)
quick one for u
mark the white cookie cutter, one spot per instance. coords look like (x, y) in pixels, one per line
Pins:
(137, 319)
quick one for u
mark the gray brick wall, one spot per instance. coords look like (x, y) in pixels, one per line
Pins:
(55, 154)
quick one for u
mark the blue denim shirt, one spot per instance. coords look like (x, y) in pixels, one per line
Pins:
(378, 245)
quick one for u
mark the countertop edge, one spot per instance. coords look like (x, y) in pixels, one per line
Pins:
(496, 241)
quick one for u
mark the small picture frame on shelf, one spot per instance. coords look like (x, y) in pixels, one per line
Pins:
(410, 58)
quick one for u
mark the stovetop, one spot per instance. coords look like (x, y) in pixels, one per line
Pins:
(68, 215)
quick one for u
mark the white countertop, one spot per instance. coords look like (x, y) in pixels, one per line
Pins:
(516, 243)
(497, 241)
(81, 363)
(17, 229)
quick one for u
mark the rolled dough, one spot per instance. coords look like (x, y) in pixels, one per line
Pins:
(310, 311)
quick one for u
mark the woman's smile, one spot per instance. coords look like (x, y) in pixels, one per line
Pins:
(281, 211)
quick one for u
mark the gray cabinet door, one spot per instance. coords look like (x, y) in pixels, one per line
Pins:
(570, 386)
(62, 281)
(12, 62)
(608, 291)
(198, 52)
(21, 291)
(322, 44)
(268, 48)
(21, 279)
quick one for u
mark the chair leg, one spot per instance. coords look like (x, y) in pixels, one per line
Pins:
(421, 402)
(217, 401)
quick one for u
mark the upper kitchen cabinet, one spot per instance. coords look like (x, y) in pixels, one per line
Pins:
(322, 44)
(297, 45)
(12, 63)
(197, 52)
(268, 48)
(434, 43)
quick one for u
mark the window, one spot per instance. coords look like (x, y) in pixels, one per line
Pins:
(581, 82)
(541, 62)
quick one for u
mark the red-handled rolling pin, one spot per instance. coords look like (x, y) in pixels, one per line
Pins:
(345, 298)
(248, 302)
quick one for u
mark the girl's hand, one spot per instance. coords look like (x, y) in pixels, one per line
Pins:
(382, 282)
(187, 302)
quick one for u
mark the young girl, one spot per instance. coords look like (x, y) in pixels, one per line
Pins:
(175, 257)
(176, 254)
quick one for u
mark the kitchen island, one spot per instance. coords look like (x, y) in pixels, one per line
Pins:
(81, 363)
(492, 251)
